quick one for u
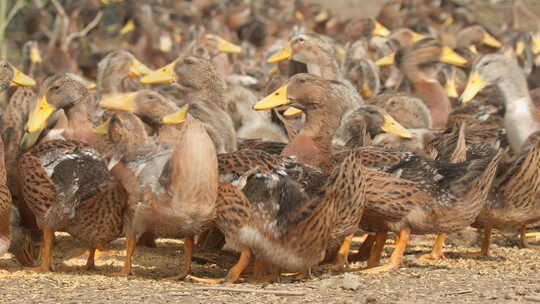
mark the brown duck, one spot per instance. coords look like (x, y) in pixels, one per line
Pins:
(173, 176)
(13, 120)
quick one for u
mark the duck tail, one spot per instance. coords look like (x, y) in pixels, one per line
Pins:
(523, 178)
(22, 244)
(481, 186)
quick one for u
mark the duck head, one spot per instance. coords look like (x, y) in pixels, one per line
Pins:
(11, 76)
(190, 73)
(306, 48)
(119, 66)
(365, 28)
(152, 107)
(56, 93)
(488, 70)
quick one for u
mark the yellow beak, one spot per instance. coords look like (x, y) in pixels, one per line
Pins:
(162, 75)
(103, 128)
(29, 139)
(137, 69)
(491, 41)
(322, 16)
(520, 48)
(91, 85)
(298, 15)
(450, 88)
(366, 90)
(536, 44)
(292, 112)
(474, 85)
(121, 101)
(21, 79)
(224, 45)
(128, 27)
(35, 55)
(416, 36)
(448, 21)
(274, 100)
(386, 60)
(176, 117)
(473, 49)
(380, 30)
(451, 57)
(390, 125)
(284, 54)
(40, 114)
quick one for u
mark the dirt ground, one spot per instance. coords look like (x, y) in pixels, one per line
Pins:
(510, 275)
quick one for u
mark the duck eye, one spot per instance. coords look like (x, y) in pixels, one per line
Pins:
(55, 88)
(189, 61)
(301, 40)
(4, 65)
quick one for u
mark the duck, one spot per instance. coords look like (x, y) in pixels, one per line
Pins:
(117, 73)
(359, 127)
(182, 154)
(249, 202)
(318, 54)
(520, 118)
(204, 89)
(474, 36)
(71, 133)
(513, 202)
(13, 120)
(62, 110)
(509, 209)
(410, 111)
(272, 194)
(75, 193)
(453, 200)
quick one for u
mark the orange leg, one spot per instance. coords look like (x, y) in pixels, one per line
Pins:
(201, 238)
(46, 256)
(264, 272)
(484, 252)
(131, 241)
(234, 273)
(396, 259)
(306, 275)
(188, 254)
(99, 252)
(341, 259)
(524, 241)
(364, 250)
(437, 250)
(377, 249)
(90, 262)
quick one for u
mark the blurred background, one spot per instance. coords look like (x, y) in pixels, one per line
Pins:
(67, 24)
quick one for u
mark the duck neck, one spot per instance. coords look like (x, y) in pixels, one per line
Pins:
(211, 97)
(327, 68)
(114, 83)
(168, 133)
(313, 144)
(79, 124)
(434, 97)
(521, 118)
